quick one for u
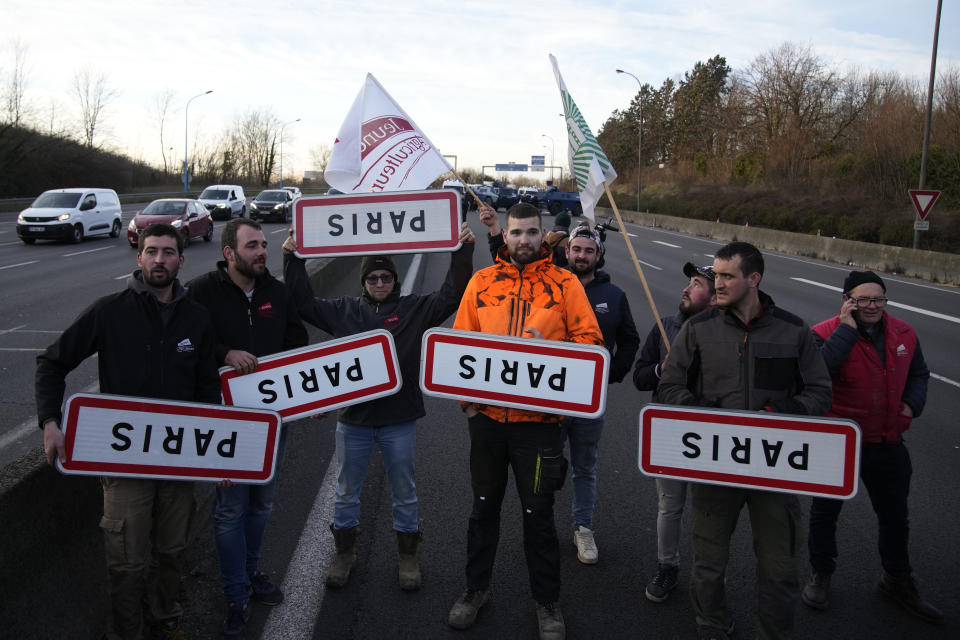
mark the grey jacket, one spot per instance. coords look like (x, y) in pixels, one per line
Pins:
(772, 363)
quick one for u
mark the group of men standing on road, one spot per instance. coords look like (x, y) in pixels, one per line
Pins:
(730, 347)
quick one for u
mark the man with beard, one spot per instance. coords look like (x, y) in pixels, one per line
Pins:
(880, 380)
(745, 354)
(389, 423)
(254, 315)
(523, 294)
(671, 494)
(583, 254)
(152, 341)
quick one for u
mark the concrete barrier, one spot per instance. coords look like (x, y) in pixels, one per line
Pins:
(53, 574)
(934, 266)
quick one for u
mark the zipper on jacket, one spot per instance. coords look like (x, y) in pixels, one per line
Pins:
(744, 369)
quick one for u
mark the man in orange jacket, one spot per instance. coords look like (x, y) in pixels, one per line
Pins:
(522, 294)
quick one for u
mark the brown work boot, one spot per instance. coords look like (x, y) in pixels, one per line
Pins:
(338, 573)
(902, 589)
(408, 568)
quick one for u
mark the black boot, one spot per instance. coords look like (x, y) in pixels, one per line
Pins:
(339, 570)
(408, 567)
(901, 588)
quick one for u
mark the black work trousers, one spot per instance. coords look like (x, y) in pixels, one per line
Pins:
(534, 450)
(885, 471)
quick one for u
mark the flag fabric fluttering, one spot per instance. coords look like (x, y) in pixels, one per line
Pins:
(380, 148)
(588, 163)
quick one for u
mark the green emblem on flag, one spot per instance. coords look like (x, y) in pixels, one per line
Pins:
(584, 147)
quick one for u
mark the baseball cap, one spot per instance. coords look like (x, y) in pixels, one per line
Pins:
(690, 270)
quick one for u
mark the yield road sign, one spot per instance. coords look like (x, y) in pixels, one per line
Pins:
(525, 373)
(377, 223)
(923, 201)
(133, 437)
(752, 449)
(318, 378)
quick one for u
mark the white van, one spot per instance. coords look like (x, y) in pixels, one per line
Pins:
(224, 201)
(70, 214)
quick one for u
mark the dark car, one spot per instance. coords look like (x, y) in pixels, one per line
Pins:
(272, 204)
(508, 198)
(189, 216)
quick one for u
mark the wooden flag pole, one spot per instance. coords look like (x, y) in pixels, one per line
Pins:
(636, 263)
(467, 187)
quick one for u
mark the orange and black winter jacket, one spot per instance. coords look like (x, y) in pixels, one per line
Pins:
(503, 300)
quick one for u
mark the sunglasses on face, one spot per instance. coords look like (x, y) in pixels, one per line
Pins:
(385, 278)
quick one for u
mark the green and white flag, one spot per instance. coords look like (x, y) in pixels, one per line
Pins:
(588, 163)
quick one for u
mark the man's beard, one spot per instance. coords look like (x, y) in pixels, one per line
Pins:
(159, 277)
(581, 269)
(521, 255)
(249, 269)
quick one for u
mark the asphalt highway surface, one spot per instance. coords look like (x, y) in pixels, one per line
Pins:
(45, 285)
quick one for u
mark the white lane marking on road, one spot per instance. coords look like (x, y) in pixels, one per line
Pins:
(666, 244)
(891, 303)
(632, 235)
(411, 275)
(305, 581)
(77, 253)
(652, 266)
(708, 255)
(126, 275)
(30, 425)
(19, 264)
(284, 230)
(7, 244)
(943, 379)
(3, 331)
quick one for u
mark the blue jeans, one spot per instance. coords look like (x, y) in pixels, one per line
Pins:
(397, 444)
(584, 436)
(238, 524)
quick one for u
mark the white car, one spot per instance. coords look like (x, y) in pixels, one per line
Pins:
(70, 214)
(294, 190)
(224, 201)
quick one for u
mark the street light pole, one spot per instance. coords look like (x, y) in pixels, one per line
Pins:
(186, 130)
(281, 148)
(926, 122)
(640, 136)
(552, 148)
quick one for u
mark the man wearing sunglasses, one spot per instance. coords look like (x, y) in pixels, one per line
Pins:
(389, 422)
(880, 381)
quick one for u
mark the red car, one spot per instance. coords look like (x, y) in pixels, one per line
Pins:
(189, 216)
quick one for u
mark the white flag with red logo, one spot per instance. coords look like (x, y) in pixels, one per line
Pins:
(380, 148)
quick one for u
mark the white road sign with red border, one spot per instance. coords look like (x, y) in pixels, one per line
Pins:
(923, 201)
(539, 375)
(753, 449)
(318, 378)
(377, 223)
(126, 436)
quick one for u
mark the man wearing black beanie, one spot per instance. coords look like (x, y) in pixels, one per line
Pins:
(880, 381)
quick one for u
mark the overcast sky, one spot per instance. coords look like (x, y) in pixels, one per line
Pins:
(474, 75)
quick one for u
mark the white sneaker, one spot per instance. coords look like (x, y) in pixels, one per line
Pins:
(586, 546)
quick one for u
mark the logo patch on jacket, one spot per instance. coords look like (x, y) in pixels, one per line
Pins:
(901, 351)
(391, 322)
(185, 346)
(601, 308)
(265, 310)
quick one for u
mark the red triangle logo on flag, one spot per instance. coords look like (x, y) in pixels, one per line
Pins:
(923, 201)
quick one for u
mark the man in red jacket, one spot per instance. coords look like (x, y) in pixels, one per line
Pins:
(880, 381)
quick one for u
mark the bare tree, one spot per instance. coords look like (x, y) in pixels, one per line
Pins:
(319, 156)
(14, 98)
(159, 109)
(254, 139)
(93, 95)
